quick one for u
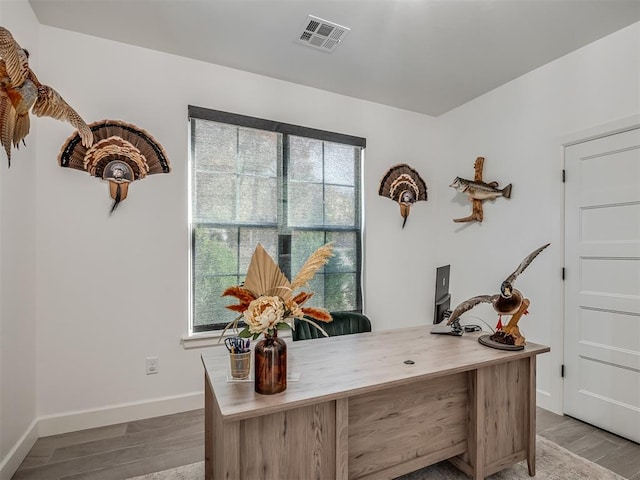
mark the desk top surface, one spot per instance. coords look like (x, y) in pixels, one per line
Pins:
(348, 365)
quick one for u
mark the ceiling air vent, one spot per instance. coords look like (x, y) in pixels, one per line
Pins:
(321, 34)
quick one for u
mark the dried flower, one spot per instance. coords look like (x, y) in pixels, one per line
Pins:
(263, 314)
(266, 301)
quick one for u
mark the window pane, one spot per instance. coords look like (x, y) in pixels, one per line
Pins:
(209, 305)
(340, 206)
(316, 286)
(215, 268)
(215, 251)
(250, 237)
(258, 152)
(340, 291)
(214, 198)
(257, 200)
(340, 163)
(303, 244)
(305, 204)
(345, 252)
(215, 146)
(305, 159)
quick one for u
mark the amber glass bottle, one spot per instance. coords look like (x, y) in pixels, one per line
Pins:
(270, 356)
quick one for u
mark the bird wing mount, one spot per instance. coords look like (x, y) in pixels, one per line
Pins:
(469, 304)
(15, 58)
(51, 104)
(525, 263)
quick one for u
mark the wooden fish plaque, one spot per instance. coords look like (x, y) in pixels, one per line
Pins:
(478, 191)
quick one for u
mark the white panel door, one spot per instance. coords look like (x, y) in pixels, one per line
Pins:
(602, 286)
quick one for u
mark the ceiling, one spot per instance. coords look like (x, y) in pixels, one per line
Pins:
(427, 56)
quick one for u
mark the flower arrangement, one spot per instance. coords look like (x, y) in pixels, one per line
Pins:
(267, 300)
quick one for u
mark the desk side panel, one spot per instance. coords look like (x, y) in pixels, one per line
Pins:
(506, 404)
(398, 430)
(298, 443)
(221, 440)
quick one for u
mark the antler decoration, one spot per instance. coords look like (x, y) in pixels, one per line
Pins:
(121, 154)
(20, 90)
(404, 185)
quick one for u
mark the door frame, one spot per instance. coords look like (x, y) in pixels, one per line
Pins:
(555, 400)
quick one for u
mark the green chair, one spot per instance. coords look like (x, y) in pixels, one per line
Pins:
(344, 323)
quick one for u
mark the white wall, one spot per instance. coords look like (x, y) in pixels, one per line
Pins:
(518, 129)
(17, 273)
(114, 290)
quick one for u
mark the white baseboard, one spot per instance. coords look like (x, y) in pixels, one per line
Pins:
(128, 412)
(100, 417)
(543, 399)
(16, 455)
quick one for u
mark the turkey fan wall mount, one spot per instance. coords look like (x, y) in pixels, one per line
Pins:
(121, 153)
(403, 184)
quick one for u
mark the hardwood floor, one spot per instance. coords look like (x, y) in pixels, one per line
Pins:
(604, 448)
(129, 449)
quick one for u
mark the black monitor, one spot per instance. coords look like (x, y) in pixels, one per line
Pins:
(443, 298)
(442, 305)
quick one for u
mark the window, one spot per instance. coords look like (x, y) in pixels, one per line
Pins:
(290, 188)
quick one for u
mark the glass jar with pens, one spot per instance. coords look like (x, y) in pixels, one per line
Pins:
(239, 356)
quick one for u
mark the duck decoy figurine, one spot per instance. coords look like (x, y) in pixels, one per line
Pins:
(508, 302)
(20, 91)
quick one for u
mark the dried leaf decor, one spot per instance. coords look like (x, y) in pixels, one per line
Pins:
(264, 276)
(317, 314)
(242, 294)
(267, 300)
(302, 297)
(316, 261)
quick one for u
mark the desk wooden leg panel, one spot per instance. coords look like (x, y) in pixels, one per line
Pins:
(342, 439)
(531, 433)
(208, 429)
(501, 419)
(221, 441)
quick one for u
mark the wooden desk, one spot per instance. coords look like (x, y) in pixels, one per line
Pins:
(358, 411)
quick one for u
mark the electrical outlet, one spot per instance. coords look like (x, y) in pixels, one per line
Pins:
(152, 365)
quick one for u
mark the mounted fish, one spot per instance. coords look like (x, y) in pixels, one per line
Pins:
(478, 191)
(121, 154)
(20, 90)
(510, 301)
(404, 185)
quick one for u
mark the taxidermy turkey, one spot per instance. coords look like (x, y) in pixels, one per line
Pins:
(121, 154)
(20, 91)
(404, 185)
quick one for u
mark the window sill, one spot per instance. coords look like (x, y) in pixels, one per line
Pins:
(201, 340)
(213, 339)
